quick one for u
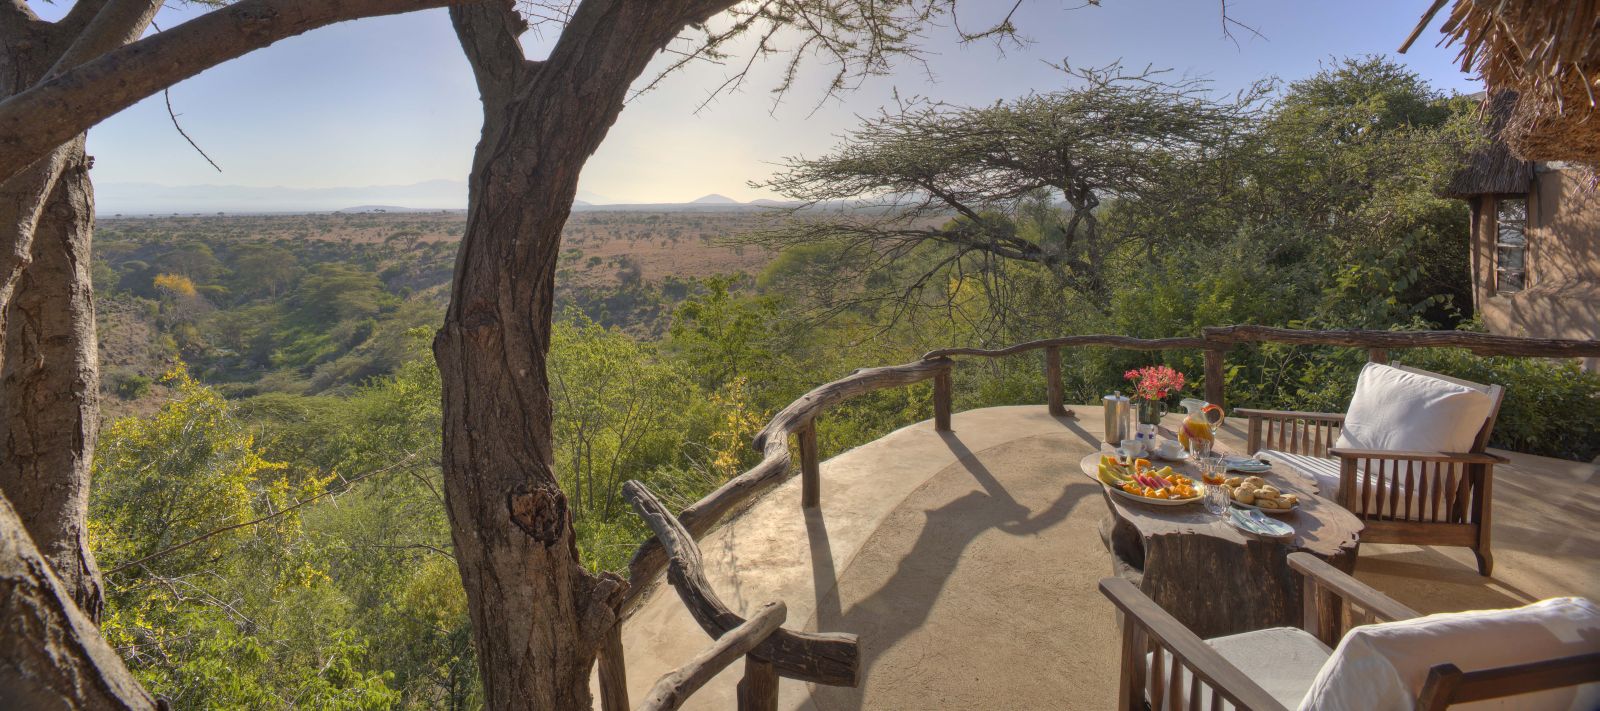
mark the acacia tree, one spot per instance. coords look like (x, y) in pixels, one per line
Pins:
(56, 80)
(538, 615)
(940, 194)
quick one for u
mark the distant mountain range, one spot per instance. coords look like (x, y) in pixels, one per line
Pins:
(152, 199)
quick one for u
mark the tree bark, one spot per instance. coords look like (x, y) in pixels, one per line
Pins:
(49, 386)
(538, 616)
(51, 655)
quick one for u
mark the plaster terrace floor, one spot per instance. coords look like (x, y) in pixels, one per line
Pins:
(966, 561)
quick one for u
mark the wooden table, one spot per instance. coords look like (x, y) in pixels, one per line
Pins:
(1213, 577)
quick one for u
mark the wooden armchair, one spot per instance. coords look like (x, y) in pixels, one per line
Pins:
(1165, 667)
(1426, 498)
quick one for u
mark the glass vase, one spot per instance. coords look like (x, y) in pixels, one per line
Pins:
(1150, 412)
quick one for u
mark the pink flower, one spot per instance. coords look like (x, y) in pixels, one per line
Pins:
(1155, 382)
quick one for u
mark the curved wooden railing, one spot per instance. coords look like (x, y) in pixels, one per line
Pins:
(835, 664)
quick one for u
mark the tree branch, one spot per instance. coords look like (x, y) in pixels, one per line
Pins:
(117, 24)
(488, 34)
(54, 657)
(35, 121)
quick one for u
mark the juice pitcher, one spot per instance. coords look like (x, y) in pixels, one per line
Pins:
(1199, 424)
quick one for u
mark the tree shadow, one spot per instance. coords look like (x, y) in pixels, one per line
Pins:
(904, 602)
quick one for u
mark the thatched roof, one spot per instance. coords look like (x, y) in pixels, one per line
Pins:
(1548, 51)
(1492, 169)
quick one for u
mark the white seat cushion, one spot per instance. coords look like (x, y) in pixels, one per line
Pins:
(1398, 410)
(1283, 660)
(1382, 667)
(1322, 471)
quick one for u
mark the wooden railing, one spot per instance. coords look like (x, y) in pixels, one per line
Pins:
(830, 659)
(769, 650)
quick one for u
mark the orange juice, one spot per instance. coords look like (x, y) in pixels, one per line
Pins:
(1195, 429)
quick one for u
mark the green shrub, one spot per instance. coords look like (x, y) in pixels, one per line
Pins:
(133, 387)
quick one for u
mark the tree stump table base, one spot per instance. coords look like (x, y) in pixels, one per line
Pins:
(1214, 578)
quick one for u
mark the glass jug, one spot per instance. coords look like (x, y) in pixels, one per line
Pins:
(1197, 433)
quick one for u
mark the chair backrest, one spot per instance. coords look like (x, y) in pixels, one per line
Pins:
(1496, 393)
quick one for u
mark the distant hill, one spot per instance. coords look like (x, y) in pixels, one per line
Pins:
(150, 199)
(384, 208)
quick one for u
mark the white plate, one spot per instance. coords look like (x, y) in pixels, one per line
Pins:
(1182, 457)
(1272, 528)
(1247, 465)
(1153, 502)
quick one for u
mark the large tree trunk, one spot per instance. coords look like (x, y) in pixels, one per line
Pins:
(49, 386)
(538, 616)
(52, 656)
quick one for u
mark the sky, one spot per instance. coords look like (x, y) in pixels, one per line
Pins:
(390, 101)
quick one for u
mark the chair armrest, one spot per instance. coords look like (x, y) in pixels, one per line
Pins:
(1447, 684)
(1342, 584)
(1288, 414)
(1229, 681)
(1457, 457)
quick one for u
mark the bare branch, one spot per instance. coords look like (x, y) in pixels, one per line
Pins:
(166, 94)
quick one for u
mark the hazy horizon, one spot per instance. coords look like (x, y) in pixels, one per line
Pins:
(391, 102)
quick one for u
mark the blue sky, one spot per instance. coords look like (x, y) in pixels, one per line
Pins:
(390, 100)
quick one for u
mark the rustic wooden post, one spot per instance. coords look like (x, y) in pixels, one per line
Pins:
(941, 400)
(1052, 380)
(1378, 355)
(758, 690)
(613, 672)
(810, 473)
(1214, 384)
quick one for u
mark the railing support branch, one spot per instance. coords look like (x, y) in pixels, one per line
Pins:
(1215, 362)
(1052, 381)
(810, 469)
(758, 690)
(941, 400)
(613, 672)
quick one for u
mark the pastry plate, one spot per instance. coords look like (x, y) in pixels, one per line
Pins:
(1269, 512)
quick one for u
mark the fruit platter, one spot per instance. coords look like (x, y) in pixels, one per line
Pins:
(1253, 492)
(1142, 482)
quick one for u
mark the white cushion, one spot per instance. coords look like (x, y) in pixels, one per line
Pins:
(1382, 667)
(1399, 410)
(1283, 660)
(1322, 471)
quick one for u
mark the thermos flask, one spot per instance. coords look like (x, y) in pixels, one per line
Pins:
(1119, 418)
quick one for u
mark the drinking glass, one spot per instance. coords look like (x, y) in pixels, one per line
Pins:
(1215, 498)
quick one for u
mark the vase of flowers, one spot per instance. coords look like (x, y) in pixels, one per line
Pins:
(1151, 386)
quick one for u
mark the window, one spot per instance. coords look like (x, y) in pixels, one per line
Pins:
(1510, 245)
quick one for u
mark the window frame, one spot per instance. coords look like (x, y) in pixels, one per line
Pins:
(1496, 245)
